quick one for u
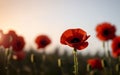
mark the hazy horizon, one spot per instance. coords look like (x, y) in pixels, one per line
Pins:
(52, 17)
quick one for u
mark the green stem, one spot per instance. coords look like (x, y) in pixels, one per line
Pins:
(60, 66)
(109, 58)
(75, 62)
(43, 63)
(108, 52)
(8, 57)
(105, 55)
(119, 58)
(103, 45)
(105, 49)
(32, 57)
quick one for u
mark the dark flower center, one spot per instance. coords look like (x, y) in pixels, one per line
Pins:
(43, 42)
(106, 32)
(18, 44)
(75, 40)
(118, 45)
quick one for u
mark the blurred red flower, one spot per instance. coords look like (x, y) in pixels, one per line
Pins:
(19, 55)
(42, 41)
(105, 31)
(116, 46)
(5, 41)
(12, 34)
(75, 38)
(18, 43)
(95, 64)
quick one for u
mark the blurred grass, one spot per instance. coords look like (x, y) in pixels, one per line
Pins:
(49, 65)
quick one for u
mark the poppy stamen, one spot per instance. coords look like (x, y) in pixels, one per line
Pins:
(118, 45)
(105, 32)
(75, 40)
(43, 42)
(18, 43)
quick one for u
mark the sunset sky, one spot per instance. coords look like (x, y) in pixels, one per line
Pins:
(52, 17)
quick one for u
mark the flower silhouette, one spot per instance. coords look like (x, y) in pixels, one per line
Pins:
(116, 46)
(95, 64)
(5, 40)
(18, 43)
(12, 34)
(105, 31)
(42, 41)
(75, 38)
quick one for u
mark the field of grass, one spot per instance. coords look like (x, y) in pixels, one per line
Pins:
(47, 64)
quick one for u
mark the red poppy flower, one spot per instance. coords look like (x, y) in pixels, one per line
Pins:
(75, 38)
(95, 64)
(116, 46)
(12, 34)
(42, 41)
(5, 40)
(18, 43)
(19, 55)
(105, 31)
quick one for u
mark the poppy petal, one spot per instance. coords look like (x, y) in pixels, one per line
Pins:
(75, 38)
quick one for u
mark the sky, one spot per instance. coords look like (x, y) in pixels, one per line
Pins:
(52, 17)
